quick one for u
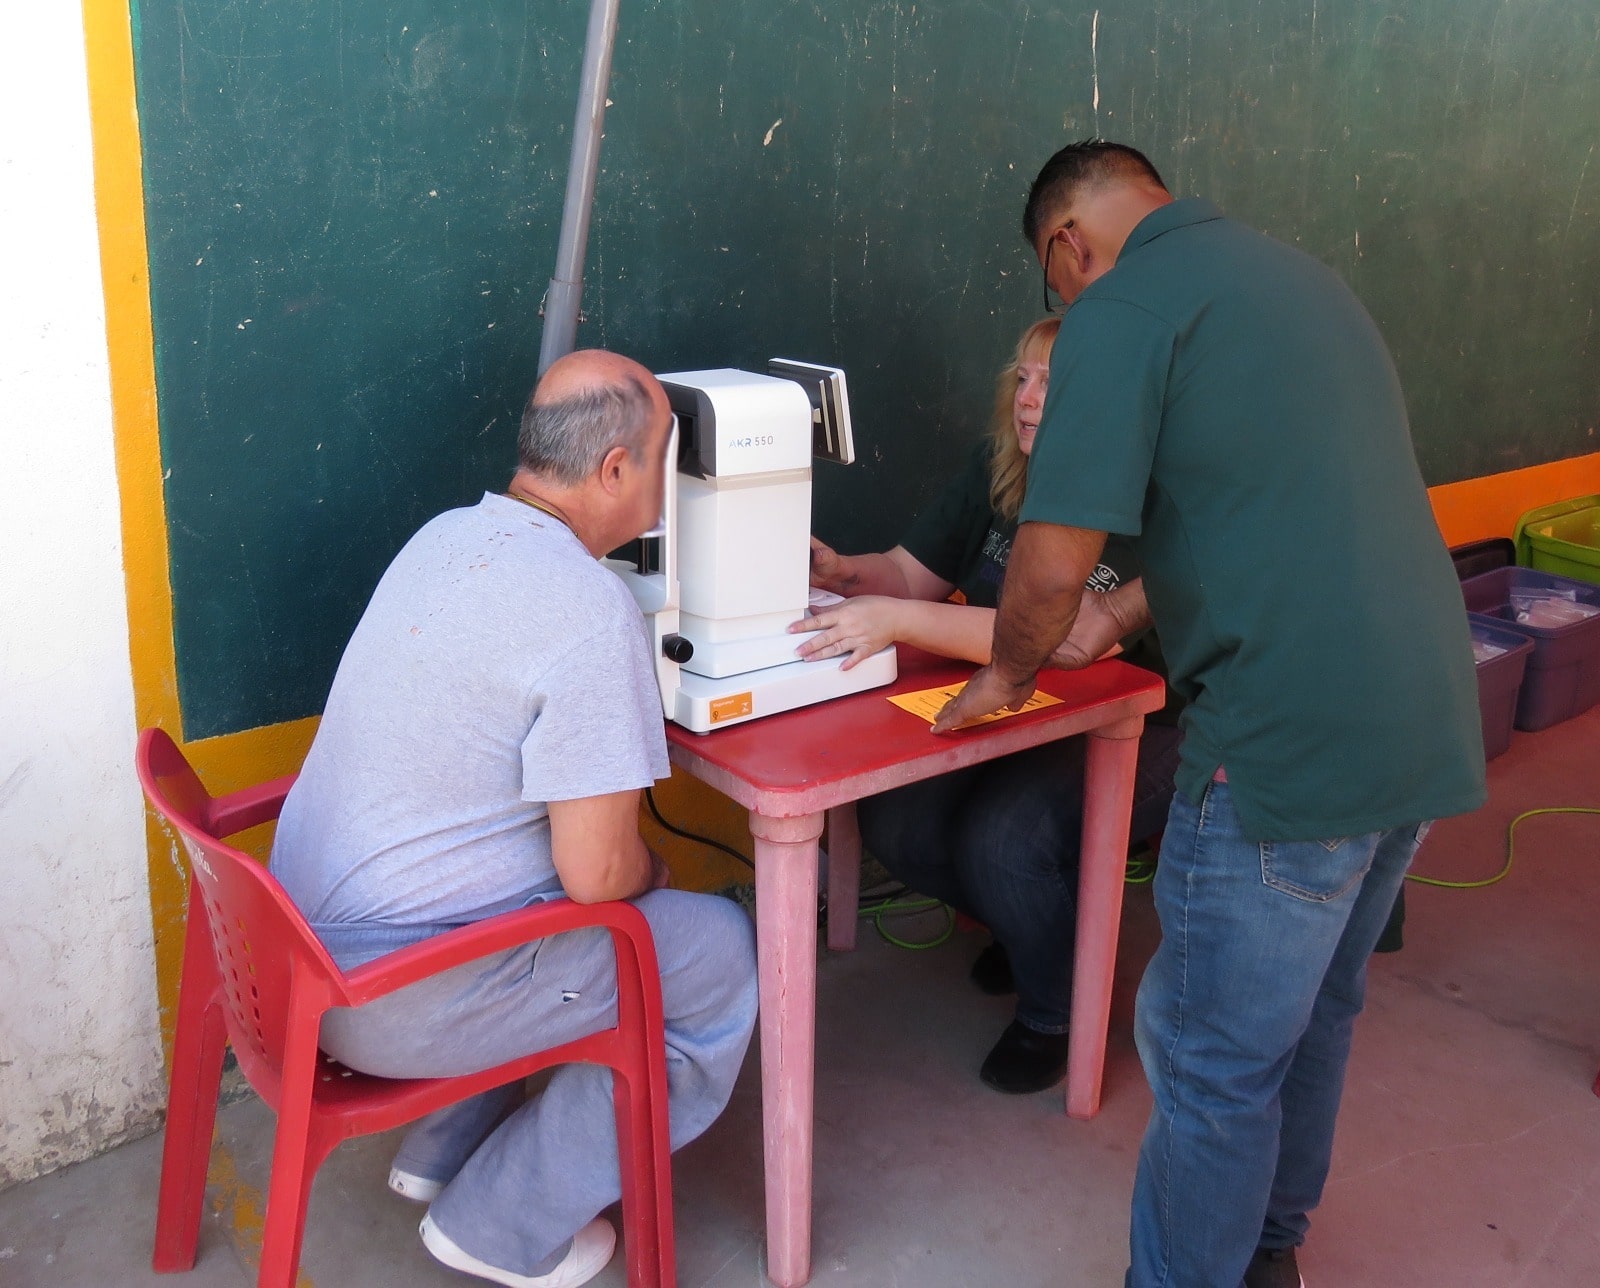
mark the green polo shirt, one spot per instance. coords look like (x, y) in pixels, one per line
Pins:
(1225, 401)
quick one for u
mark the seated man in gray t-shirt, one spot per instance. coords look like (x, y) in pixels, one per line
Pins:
(492, 722)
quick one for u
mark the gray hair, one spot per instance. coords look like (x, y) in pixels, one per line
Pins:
(565, 439)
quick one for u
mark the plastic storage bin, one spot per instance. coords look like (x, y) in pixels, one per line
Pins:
(1563, 538)
(1563, 670)
(1483, 556)
(1499, 679)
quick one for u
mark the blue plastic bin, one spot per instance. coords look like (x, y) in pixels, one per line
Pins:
(1562, 678)
(1499, 681)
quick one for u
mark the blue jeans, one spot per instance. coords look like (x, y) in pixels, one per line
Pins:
(1243, 1024)
(999, 842)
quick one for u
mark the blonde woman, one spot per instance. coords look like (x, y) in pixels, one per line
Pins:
(999, 841)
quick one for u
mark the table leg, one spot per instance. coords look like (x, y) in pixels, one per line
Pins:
(844, 876)
(1113, 757)
(786, 947)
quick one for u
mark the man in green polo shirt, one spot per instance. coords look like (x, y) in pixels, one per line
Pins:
(1226, 402)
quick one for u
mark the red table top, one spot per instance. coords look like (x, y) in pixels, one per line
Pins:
(817, 757)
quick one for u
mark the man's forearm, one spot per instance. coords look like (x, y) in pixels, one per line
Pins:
(1044, 585)
(596, 847)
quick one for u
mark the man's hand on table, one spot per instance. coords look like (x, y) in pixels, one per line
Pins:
(985, 693)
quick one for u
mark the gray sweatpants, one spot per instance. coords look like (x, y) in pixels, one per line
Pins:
(518, 1191)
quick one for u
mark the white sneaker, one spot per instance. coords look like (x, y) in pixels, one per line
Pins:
(419, 1189)
(591, 1249)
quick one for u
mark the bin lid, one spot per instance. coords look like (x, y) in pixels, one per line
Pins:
(1555, 510)
(1483, 556)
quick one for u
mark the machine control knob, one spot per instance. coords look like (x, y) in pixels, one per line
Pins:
(676, 649)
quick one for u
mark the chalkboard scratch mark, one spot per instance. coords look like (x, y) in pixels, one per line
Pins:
(183, 62)
(1094, 63)
(255, 600)
(1022, 42)
(339, 45)
(1578, 191)
(833, 240)
(894, 82)
(522, 63)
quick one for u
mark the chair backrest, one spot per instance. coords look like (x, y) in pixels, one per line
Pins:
(264, 950)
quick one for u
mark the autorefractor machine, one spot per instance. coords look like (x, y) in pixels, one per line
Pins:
(727, 570)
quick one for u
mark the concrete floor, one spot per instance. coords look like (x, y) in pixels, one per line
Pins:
(1469, 1151)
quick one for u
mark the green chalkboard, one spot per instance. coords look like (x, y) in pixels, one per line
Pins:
(353, 210)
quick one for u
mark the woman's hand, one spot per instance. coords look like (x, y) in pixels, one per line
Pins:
(1094, 635)
(1103, 622)
(830, 570)
(855, 629)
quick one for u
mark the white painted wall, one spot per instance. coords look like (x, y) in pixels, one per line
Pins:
(80, 1055)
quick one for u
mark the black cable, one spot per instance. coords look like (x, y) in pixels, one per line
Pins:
(650, 800)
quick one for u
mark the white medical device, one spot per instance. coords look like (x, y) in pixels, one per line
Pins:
(727, 570)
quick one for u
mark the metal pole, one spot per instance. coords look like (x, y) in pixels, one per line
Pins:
(566, 287)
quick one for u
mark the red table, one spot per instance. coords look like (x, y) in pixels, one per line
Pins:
(790, 770)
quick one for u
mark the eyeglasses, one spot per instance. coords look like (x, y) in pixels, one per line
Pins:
(1058, 305)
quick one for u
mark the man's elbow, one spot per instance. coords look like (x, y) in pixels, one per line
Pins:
(602, 878)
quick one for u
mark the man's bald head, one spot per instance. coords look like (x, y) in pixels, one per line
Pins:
(587, 403)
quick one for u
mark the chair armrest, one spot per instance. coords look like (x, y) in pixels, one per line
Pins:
(248, 807)
(406, 966)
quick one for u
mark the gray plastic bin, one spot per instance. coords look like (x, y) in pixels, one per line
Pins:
(1499, 681)
(1563, 670)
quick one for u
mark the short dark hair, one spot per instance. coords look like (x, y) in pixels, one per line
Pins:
(565, 439)
(1089, 163)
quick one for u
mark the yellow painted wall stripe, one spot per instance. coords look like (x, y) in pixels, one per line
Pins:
(125, 272)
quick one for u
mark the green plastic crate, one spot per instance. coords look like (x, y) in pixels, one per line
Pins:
(1563, 538)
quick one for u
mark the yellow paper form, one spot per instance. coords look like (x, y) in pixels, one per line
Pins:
(929, 702)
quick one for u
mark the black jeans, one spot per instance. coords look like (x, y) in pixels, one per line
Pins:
(999, 842)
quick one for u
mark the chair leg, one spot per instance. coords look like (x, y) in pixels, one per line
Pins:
(299, 1148)
(295, 1160)
(641, 1229)
(197, 1053)
(657, 1131)
(639, 1097)
(199, 1043)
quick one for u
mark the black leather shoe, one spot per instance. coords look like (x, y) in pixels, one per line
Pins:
(1273, 1268)
(991, 972)
(1024, 1060)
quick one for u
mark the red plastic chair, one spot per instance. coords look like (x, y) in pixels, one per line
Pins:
(255, 975)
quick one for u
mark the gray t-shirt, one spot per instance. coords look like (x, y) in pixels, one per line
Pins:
(499, 666)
